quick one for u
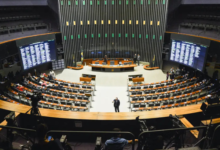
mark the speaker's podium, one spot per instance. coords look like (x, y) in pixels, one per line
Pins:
(113, 66)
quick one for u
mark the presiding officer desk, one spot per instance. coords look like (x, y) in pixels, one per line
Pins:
(112, 65)
(101, 60)
(19, 108)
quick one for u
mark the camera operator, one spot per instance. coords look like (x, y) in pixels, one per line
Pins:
(35, 98)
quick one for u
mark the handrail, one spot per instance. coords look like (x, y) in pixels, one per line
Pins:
(28, 37)
(93, 132)
(167, 130)
(17, 128)
(217, 128)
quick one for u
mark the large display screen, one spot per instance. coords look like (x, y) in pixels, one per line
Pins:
(189, 54)
(38, 53)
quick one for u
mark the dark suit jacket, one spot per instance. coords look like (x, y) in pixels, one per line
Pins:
(116, 103)
(105, 60)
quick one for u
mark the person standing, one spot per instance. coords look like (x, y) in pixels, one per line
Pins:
(52, 73)
(138, 59)
(177, 71)
(105, 59)
(167, 75)
(171, 73)
(135, 58)
(116, 104)
(183, 71)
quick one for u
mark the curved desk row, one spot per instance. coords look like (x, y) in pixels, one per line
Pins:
(79, 67)
(105, 115)
(108, 68)
(146, 67)
(100, 60)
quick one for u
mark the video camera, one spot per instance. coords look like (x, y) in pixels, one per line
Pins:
(35, 98)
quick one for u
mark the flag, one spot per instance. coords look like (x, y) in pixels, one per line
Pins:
(153, 61)
(81, 55)
(73, 60)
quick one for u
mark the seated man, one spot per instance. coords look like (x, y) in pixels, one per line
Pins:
(20, 88)
(116, 142)
(43, 143)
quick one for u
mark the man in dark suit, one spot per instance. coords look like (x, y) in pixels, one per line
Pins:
(135, 58)
(105, 59)
(116, 104)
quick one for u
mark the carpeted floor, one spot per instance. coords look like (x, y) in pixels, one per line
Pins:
(110, 85)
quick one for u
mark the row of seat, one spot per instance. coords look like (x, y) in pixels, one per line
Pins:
(205, 27)
(162, 96)
(167, 83)
(71, 85)
(166, 104)
(20, 18)
(22, 28)
(65, 89)
(66, 83)
(167, 93)
(57, 94)
(163, 89)
(43, 104)
(47, 102)
(205, 17)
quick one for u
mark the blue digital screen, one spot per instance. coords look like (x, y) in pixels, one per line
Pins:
(38, 53)
(189, 54)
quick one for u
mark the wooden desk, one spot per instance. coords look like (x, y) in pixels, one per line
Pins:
(187, 124)
(214, 121)
(115, 61)
(103, 116)
(91, 60)
(107, 68)
(138, 79)
(89, 76)
(79, 67)
(85, 79)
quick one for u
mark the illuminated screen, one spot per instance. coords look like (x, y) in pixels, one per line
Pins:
(189, 54)
(38, 53)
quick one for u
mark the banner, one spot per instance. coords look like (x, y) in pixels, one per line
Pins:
(153, 61)
(81, 55)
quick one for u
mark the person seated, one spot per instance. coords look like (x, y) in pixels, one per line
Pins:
(26, 81)
(50, 77)
(43, 143)
(52, 73)
(44, 84)
(116, 142)
(20, 88)
(42, 75)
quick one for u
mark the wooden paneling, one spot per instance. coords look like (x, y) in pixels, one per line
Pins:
(117, 28)
(214, 121)
(102, 115)
(113, 67)
(189, 125)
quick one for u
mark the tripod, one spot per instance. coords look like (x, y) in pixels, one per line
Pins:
(34, 111)
(35, 117)
(207, 137)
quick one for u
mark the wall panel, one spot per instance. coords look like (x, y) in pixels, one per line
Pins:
(124, 39)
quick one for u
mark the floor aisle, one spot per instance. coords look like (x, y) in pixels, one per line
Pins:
(110, 85)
